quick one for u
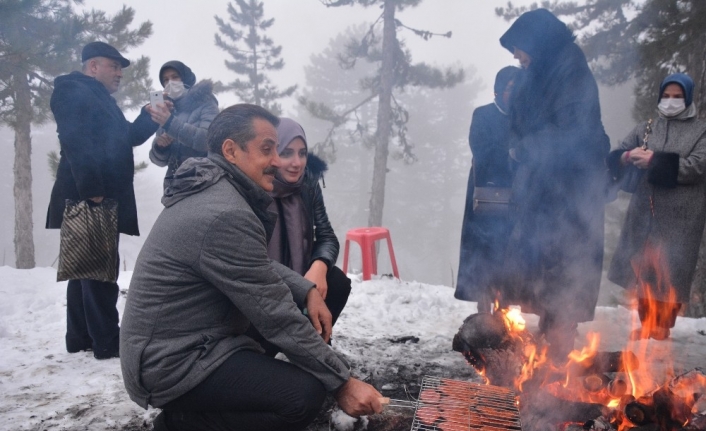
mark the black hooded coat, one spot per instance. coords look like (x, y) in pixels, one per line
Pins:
(483, 238)
(556, 249)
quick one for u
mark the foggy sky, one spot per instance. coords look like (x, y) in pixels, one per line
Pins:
(185, 32)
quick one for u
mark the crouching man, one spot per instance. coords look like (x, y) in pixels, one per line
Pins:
(203, 276)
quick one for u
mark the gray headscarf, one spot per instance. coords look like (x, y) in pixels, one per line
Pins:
(292, 239)
(287, 131)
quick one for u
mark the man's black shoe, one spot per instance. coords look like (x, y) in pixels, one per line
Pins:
(80, 349)
(74, 346)
(106, 354)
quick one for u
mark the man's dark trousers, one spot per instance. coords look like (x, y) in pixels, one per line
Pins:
(92, 317)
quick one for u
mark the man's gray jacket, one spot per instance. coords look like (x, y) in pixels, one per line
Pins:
(202, 277)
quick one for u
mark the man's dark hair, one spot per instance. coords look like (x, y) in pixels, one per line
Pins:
(235, 122)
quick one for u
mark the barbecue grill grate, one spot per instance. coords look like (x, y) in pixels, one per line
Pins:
(455, 405)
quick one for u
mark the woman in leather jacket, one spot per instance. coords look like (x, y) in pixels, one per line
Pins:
(303, 238)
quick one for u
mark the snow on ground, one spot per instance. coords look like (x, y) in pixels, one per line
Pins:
(42, 387)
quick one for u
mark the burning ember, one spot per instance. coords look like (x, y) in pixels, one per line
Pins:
(593, 390)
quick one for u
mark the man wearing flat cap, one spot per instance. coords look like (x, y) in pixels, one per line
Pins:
(96, 163)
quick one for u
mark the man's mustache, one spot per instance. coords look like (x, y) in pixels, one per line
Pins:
(270, 171)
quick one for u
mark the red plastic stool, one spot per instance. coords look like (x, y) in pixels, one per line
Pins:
(366, 238)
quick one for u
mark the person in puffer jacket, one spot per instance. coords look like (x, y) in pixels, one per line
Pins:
(184, 119)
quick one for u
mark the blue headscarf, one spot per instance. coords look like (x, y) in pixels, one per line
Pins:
(538, 33)
(684, 81)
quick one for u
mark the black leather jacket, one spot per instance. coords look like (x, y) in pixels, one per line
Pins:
(326, 244)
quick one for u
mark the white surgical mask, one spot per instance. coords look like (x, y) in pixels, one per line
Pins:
(670, 107)
(174, 89)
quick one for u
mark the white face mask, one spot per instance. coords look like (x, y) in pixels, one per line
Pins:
(174, 89)
(670, 107)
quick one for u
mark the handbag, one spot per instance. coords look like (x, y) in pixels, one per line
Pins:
(490, 201)
(89, 241)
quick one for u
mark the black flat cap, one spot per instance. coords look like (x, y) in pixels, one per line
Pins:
(102, 49)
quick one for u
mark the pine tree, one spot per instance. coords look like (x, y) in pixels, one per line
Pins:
(396, 71)
(253, 54)
(40, 39)
(438, 130)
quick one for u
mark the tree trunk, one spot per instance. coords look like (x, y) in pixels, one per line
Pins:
(24, 240)
(384, 125)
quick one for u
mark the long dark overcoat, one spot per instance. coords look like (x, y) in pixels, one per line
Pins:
(96, 149)
(483, 238)
(675, 221)
(556, 248)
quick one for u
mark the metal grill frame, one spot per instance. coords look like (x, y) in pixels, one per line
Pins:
(488, 408)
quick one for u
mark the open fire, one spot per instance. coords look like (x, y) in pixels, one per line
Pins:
(592, 390)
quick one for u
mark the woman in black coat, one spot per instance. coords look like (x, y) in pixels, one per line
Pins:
(303, 238)
(484, 237)
(558, 140)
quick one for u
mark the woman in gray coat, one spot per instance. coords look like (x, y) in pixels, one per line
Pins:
(183, 128)
(665, 160)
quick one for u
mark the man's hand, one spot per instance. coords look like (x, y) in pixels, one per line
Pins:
(164, 140)
(318, 314)
(317, 275)
(357, 398)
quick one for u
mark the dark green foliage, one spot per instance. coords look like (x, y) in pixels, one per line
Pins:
(42, 39)
(253, 54)
(400, 4)
(53, 161)
(139, 167)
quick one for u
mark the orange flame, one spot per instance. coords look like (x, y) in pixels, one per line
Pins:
(513, 320)
(638, 379)
(657, 292)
